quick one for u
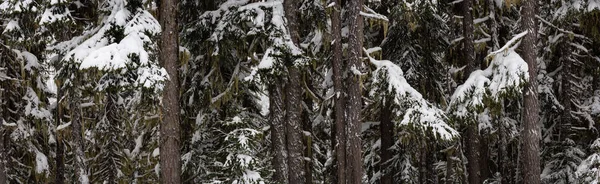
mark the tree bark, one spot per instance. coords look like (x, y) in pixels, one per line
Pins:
(278, 138)
(294, 126)
(293, 100)
(354, 100)
(170, 161)
(340, 96)
(472, 133)
(307, 127)
(531, 132)
(386, 129)
(60, 163)
(3, 156)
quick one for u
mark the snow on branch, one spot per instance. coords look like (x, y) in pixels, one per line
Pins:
(244, 18)
(370, 13)
(121, 41)
(388, 81)
(505, 76)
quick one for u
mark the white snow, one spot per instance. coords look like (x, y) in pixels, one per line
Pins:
(507, 73)
(12, 25)
(97, 51)
(41, 162)
(33, 108)
(418, 112)
(156, 152)
(63, 126)
(593, 4)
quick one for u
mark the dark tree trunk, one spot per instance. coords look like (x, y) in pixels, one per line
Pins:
(170, 160)
(60, 163)
(485, 159)
(339, 142)
(307, 126)
(293, 100)
(294, 126)
(386, 129)
(503, 155)
(3, 155)
(278, 139)
(472, 132)
(354, 100)
(531, 132)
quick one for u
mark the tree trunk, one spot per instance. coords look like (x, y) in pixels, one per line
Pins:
(278, 139)
(294, 126)
(60, 163)
(307, 126)
(293, 100)
(169, 128)
(386, 128)
(503, 155)
(80, 166)
(531, 132)
(340, 97)
(3, 155)
(354, 101)
(472, 132)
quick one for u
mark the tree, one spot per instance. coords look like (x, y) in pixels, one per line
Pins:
(169, 128)
(354, 99)
(531, 133)
(472, 137)
(338, 67)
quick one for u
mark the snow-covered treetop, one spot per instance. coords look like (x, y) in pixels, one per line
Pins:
(505, 76)
(245, 18)
(123, 39)
(413, 110)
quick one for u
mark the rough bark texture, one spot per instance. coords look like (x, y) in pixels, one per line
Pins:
(307, 127)
(294, 126)
(293, 106)
(80, 166)
(278, 140)
(3, 178)
(503, 154)
(472, 133)
(340, 102)
(531, 132)
(386, 129)
(354, 100)
(60, 150)
(169, 128)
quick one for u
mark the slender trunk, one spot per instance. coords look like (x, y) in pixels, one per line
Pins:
(502, 151)
(450, 165)
(60, 163)
(485, 158)
(3, 159)
(340, 97)
(278, 139)
(80, 166)
(307, 126)
(472, 132)
(354, 101)
(493, 25)
(531, 129)
(386, 129)
(170, 161)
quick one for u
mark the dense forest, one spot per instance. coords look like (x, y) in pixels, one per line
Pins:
(300, 91)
